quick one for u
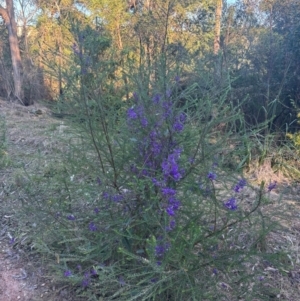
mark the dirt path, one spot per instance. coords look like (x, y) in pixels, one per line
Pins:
(13, 277)
(21, 277)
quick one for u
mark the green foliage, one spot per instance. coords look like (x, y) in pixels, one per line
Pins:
(4, 159)
(143, 205)
(147, 199)
(295, 137)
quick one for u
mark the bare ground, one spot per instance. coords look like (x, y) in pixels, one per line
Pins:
(28, 130)
(22, 275)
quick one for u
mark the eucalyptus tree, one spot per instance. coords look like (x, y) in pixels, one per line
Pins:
(218, 19)
(115, 16)
(26, 13)
(8, 15)
(52, 40)
(286, 21)
(263, 51)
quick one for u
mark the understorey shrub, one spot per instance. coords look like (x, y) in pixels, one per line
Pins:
(145, 206)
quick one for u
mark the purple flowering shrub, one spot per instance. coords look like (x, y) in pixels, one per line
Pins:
(170, 207)
(148, 211)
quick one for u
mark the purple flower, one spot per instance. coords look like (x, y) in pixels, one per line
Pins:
(131, 114)
(171, 226)
(272, 186)
(177, 79)
(174, 203)
(157, 183)
(167, 106)
(67, 273)
(155, 144)
(182, 117)
(178, 126)
(96, 210)
(86, 279)
(122, 281)
(92, 227)
(71, 217)
(153, 135)
(167, 192)
(205, 189)
(156, 148)
(211, 176)
(85, 282)
(231, 204)
(145, 172)
(161, 249)
(99, 182)
(170, 211)
(170, 166)
(242, 183)
(156, 98)
(117, 198)
(215, 271)
(215, 165)
(105, 195)
(133, 169)
(237, 188)
(144, 121)
(177, 152)
(136, 97)
(191, 160)
(137, 112)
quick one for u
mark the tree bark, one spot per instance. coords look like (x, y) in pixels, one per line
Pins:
(218, 17)
(8, 16)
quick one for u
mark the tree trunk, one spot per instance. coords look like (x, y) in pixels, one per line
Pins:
(218, 26)
(218, 58)
(8, 16)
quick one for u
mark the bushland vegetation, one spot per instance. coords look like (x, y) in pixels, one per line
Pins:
(170, 108)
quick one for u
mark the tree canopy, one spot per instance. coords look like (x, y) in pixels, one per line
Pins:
(255, 43)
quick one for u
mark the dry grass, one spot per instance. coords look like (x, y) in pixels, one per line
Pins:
(32, 145)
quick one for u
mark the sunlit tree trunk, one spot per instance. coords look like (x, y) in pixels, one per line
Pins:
(120, 43)
(218, 16)
(8, 16)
